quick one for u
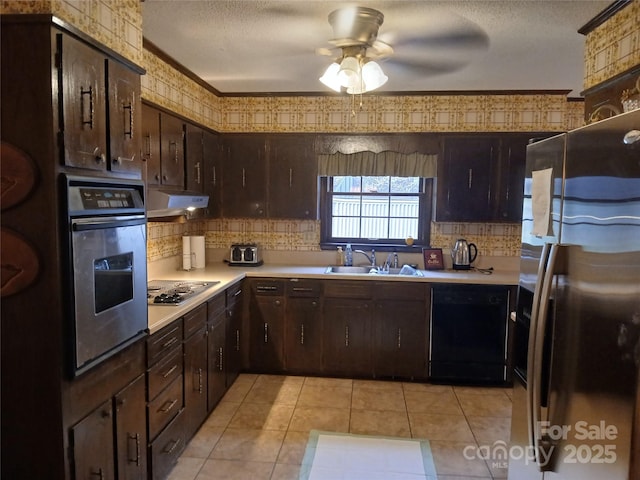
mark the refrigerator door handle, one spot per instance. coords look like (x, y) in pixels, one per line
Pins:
(542, 267)
(540, 329)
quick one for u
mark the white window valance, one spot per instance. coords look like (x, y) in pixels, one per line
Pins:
(394, 164)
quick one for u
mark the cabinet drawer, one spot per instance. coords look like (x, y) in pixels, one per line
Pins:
(166, 449)
(268, 287)
(234, 295)
(215, 309)
(161, 342)
(165, 407)
(347, 289)
(400, 291)
(164, 372)
(195, 320)
(303, 288)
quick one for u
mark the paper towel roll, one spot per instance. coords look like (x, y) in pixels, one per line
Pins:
(197, 250)
(186, 253)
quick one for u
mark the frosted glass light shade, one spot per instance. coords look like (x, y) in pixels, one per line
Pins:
(373, 76)
(330, 77)
(354, 76)
(349, 73)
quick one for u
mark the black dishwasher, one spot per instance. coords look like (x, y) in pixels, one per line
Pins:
(468, 334)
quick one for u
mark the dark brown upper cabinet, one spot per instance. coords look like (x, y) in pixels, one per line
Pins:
(100, 105)
(150, 151)
(212, 172)
(171, 150)
(481, 177)
(465, 172)
(124, 119)
(293, 177)
(244, 184)
(81, 79)
(194, 158)
(163, 139)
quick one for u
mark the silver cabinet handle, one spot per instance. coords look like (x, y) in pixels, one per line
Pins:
(128, 124)
(86, 108)
(198, 173)
(170, 371)
(135, 437)
(346, 336)
(290, 177)
(220, 359)
(266, 333)
(399, 338)
(470, 177)
(168, 405)
(302, 334)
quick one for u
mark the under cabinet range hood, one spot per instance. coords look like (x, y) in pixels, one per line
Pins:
(166, 203)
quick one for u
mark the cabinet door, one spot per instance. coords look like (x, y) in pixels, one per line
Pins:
(293, 178)
(131, 431)
(216, 373)
(171, 151)
(303, 335)
(267, 333)
(150, 150)
(347, 337)
(82, 78)
(124, 119)
(195, 382)
(92, 440)
(244, 184)
(234, 334)
(194, 158)
(401, 339)
(213, 160)
(510, 187)
(465, 175)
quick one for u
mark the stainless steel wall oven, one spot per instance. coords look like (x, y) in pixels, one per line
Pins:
(107, 267)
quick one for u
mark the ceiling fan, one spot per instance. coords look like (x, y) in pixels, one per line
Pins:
(357, 47)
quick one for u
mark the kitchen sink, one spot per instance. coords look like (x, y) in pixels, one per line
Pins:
(350, 270)
(406, 270)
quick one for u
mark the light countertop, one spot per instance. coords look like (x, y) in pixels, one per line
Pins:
(225, 276)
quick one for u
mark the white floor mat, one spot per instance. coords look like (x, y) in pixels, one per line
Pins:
(341, 456)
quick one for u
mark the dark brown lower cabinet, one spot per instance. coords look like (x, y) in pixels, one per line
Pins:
(131, 431)
(216, 350)
(92, 441)
(266, 324)
(167, 447)
(347, 337)
(303, 335)
(165, 398)
(195, 381)
(234, 335)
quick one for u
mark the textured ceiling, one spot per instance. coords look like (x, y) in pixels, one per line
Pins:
(258, 46)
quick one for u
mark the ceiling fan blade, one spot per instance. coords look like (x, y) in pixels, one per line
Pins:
(430, 68)
(469, 39)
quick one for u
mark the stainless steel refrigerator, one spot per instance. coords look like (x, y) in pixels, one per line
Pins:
(576, 327)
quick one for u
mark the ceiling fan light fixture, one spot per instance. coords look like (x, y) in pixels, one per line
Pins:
(330, 77)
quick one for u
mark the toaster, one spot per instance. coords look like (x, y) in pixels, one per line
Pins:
(245, 255)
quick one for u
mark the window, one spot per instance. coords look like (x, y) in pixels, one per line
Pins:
(375, 210)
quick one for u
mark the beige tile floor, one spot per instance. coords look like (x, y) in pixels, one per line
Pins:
(261, 427)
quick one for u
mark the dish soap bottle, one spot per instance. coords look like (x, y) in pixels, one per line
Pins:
(348, 256)
(340, 257)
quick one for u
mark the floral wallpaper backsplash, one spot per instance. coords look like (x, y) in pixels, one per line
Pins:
(165, 239)
(614, 46)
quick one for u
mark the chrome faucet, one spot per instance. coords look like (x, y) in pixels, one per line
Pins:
(372, 258)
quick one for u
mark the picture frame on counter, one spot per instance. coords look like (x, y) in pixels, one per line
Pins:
(432, 258)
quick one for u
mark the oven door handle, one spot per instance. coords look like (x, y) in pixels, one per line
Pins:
(104, 223)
